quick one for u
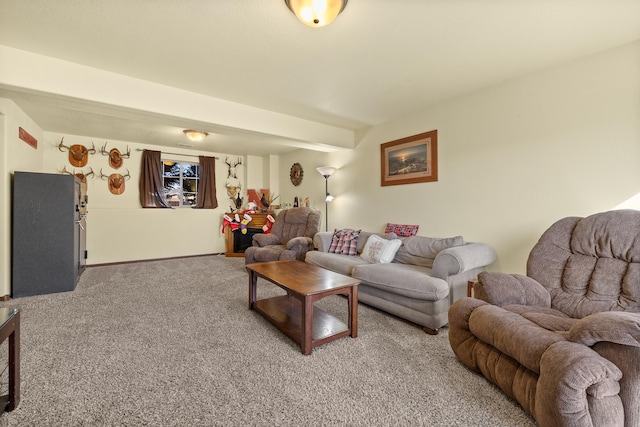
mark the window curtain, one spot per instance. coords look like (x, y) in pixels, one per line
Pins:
(207, 185)
(151, 188)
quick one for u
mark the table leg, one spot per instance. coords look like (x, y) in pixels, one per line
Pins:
(353, 311)
(253, 283)
(14, 365)
(307, 325)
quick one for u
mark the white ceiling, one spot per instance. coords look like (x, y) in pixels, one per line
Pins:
(380, 59)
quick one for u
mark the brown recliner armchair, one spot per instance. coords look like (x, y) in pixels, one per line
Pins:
(564, 340)
(290, 238)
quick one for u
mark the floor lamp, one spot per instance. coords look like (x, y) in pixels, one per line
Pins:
(326, 171)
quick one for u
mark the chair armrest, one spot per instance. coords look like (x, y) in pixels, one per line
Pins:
(458, 259)
(577, 387)
(322, 240)
(611, 326)
(263, 240)
(502, 289)
(300, 242)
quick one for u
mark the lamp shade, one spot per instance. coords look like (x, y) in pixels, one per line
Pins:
(326, 171)
(195, 135)
(316, 13)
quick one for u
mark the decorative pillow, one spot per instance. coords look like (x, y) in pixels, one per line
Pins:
(402, 230)
(364, 236)
(344, 242)
(379, 250)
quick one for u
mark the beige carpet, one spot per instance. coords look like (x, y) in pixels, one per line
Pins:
(172, 343)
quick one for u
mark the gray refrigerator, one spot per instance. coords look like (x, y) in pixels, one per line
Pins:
(48, 233)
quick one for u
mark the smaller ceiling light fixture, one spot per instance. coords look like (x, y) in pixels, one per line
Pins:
(316, 13)
(326, 171)
(195, 135)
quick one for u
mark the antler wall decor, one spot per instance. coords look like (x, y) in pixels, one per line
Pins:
(116, 181)
(232, 184)
(115, 156)
(78, 154)
(81, 175)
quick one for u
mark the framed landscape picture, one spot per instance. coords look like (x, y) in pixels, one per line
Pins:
(410, 160)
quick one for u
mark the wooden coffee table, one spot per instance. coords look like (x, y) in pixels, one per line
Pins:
(294, 313)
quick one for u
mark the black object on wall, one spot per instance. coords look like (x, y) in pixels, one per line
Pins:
(49, 236)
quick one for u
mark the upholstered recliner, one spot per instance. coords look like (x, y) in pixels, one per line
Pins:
(564, 340)
(290, 238)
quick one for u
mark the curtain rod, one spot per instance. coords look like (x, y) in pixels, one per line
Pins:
(176, 154)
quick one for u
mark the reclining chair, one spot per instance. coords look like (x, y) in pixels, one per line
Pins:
(290, 238)
(564, 340)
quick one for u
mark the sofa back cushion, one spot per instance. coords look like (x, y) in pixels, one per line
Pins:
(419, 250)
(296, 222)
(591, 264)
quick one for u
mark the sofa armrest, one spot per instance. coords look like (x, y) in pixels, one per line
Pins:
(611, 326)
(502, 289)
(577, 387)
(263, 240)
(458, 259)
(322, 240)
(299, 243)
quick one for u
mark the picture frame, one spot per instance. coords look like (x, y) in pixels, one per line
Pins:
(410, 160)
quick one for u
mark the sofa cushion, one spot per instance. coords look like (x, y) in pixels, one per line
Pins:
(419, 250)
(403, 279)
(344, 242)
(402, 230)
(342, 264)
(379, 250)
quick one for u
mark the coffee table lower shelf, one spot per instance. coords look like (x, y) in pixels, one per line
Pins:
(285, 313)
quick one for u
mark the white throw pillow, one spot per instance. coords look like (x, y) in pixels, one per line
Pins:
(379, 250)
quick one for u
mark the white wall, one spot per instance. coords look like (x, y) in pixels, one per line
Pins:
(513, 159)
(15, 154)
(119, 229)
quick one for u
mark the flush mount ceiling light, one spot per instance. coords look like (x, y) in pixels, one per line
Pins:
(195, 135)
(316, 13)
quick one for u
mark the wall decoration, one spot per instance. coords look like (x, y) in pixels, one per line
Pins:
(78, 154)
(232, 184)
(116, 158)
(116, 181)
(410, 160)
(296, 174)
(26, 137)
(82, 176)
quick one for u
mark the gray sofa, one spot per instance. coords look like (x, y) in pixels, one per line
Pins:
(424, 278)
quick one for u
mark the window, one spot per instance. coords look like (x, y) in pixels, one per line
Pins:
(180, 181)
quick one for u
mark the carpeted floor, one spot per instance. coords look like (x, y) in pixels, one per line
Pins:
(172, 343)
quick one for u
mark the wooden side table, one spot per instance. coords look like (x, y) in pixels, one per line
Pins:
(10, 328)
(470, 284)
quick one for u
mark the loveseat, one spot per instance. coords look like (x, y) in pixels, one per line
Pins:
(417, 283)
(564, 340)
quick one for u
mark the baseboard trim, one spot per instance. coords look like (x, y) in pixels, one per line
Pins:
(5, 298)
(152, 259)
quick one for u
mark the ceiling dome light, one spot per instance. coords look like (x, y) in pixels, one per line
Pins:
(195, 135)
(316, 13)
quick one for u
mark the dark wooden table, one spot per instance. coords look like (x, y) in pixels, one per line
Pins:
(10, 328)
(294, 313)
